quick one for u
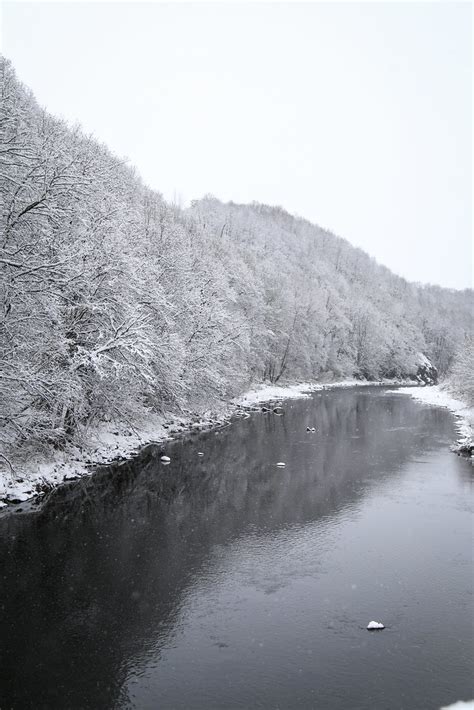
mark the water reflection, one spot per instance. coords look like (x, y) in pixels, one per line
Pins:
(95, 585)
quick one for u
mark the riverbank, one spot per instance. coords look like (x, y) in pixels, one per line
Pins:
(112, 442)
(440, 396)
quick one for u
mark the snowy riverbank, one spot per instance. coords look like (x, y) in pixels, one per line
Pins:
(111, 442)
(439, 396)
(267, 393)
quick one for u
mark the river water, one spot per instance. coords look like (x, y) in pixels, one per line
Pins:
(223, 581)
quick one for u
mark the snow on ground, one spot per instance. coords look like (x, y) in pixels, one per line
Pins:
(111, 441)
(105, 443)
(268, 393)
(440, 397)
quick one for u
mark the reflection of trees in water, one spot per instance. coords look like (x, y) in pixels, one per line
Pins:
(97, 578)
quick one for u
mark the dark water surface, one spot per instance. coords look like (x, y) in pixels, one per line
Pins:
(225, 582)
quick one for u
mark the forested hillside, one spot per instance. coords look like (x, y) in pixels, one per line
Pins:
(113, 302)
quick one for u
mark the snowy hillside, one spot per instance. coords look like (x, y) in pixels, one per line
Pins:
(116, 306)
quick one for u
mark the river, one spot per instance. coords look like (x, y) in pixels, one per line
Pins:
(222, 581)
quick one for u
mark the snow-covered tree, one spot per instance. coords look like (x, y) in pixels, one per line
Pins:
(114, 303)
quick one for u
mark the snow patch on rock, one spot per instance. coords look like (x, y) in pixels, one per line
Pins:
(375, 626)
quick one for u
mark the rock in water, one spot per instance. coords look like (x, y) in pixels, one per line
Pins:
(375, 626)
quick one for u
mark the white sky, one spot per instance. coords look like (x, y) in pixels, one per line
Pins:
(356, 116)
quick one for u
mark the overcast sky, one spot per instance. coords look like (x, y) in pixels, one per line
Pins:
(356, 116)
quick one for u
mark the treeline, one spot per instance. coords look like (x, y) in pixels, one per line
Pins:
(460, 380)
(114, 303)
